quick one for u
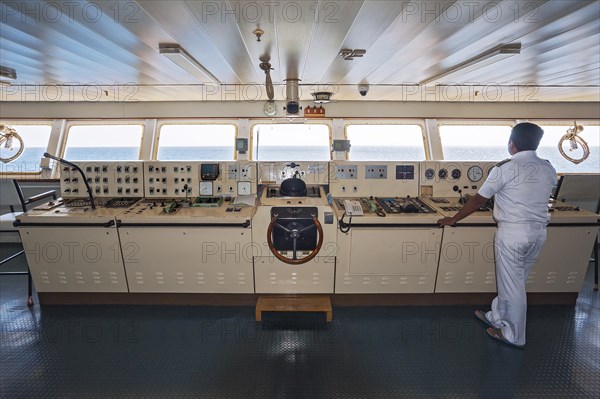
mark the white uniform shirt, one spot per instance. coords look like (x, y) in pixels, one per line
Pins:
(522, 186)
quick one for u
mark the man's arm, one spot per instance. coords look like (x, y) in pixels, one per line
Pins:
(474, 203)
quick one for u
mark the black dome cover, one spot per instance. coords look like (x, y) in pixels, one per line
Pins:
(293, 187)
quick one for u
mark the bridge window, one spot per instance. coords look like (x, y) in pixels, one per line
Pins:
(291, 142)
(548, 148)
(105, 142)
(205, 142)
(475, 142)
(395, 142)
(35, 139)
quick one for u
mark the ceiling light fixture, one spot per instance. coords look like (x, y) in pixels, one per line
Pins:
(322, 97)
(179, 56)
(486, 58)
(349, 55)
(8, 73)
(258, 33)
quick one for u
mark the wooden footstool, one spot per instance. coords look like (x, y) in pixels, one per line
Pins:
(294, 303)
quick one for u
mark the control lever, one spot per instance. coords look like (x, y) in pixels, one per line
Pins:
(462, 200)
(186, 203)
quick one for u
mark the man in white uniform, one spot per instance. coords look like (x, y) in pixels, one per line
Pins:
(522, 186)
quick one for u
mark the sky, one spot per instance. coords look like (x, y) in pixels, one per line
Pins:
(278, 135)
(385, 135)
(33, 135)
(482, 136)
(105, 136)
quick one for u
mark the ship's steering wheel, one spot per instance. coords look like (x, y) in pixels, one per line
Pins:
(295, 234)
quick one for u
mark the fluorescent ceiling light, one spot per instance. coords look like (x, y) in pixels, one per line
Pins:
(179, 56)
(484, 59)
(8, 73)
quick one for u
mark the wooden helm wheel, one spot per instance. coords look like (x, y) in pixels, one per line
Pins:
(295, 234)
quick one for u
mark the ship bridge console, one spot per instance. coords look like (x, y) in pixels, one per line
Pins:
(282, 227)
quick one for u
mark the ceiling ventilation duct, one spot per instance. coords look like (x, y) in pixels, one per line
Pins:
(292, 96)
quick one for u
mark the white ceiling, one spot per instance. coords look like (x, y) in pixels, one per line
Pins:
(108, 50)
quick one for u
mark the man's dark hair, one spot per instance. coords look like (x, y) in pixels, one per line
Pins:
(526, 136)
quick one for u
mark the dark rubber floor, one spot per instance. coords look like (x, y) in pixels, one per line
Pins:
(221, 352)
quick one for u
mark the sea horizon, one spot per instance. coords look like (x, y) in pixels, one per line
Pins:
(29, 161)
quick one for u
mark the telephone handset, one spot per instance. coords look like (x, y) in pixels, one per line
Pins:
(353, 208)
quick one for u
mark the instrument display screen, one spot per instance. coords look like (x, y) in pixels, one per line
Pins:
(209, 171)
(405, 172)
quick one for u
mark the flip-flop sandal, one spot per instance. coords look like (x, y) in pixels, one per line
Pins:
(496, 333)
(480, 314)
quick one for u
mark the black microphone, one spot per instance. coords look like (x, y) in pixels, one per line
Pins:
(63, 161)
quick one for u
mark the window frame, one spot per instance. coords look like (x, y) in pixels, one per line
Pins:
(286, 122)
(165, 122)
(101, 122)
(17, 122)
(470, 122)
(411, 122)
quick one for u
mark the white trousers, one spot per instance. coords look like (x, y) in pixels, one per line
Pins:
(516, 248)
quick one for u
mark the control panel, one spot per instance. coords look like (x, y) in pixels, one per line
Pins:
(375, 171)
(311, 172)
(364, 179)
(180, 179)
(106, 179)
(453, 179)
(159, 179)
(171, 179)
(345, 172)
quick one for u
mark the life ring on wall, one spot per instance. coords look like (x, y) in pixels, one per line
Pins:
(295, 235)
(575, 142)
(8, 135)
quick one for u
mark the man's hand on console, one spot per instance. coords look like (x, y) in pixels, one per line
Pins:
(446, 222)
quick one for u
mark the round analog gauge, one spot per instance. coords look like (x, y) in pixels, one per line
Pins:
(475, 173)
(442, 174)
(270, 108)
(456, 174)
(429, 174)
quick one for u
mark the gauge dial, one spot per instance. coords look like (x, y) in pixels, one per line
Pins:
(270, 108)
(442, 174)
(206, 188)
(429, 174)
(456, 174)
(475, 173)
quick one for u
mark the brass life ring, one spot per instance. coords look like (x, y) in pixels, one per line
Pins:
(295, 234)
(7, 137)
(574, 142)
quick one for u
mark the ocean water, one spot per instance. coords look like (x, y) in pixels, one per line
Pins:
(29, 161)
